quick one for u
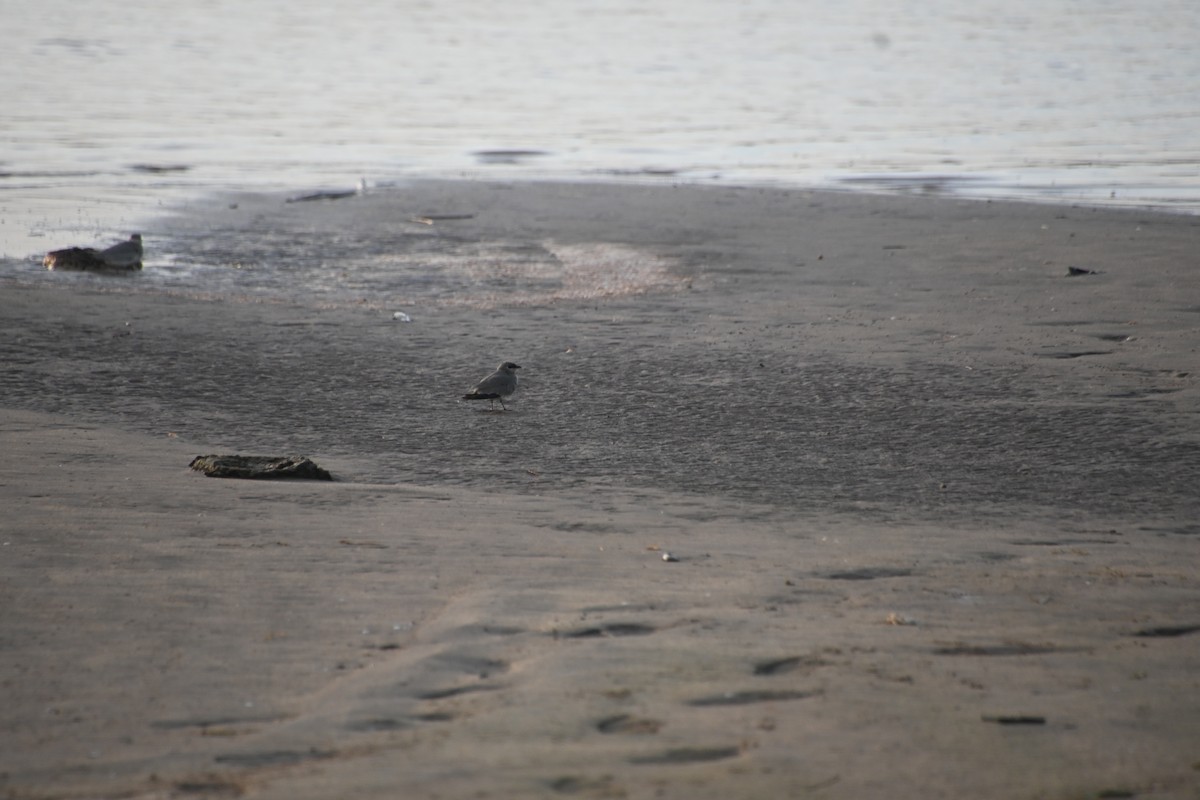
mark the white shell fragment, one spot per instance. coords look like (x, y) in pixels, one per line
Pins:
(400, 316)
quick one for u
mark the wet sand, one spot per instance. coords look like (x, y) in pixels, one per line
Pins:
(933, 503)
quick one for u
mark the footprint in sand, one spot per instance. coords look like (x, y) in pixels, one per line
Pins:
(752, 696)
(608, 629)
(628, 724)
(688, 755)
(779, 666)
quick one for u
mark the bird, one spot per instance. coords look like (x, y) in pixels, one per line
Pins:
(497, 386)
(126, 255)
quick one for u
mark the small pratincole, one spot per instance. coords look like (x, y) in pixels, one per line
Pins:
(500, 385)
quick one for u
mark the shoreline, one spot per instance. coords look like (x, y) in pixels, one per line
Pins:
(94, 223)
(932, 499)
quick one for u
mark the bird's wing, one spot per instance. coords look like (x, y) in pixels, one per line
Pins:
(494, 383)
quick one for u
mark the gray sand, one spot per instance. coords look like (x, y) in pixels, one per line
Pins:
(845, 414)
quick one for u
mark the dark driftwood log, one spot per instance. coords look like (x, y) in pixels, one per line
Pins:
(83, 259)
(260, 467)
(123, 257)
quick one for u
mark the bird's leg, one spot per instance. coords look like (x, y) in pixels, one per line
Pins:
(502, 406)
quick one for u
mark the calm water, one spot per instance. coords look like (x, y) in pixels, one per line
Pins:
(113, 110)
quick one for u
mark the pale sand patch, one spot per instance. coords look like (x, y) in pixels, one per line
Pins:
(167, 631)
(561, 272)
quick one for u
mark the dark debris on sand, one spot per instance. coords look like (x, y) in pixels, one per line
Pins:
(260, 467)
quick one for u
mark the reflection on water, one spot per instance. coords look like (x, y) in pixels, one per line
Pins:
(112, 109)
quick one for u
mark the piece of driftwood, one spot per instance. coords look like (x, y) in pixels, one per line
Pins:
(123, 257)
(308, 198)
(79, 259)
(269, 468)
